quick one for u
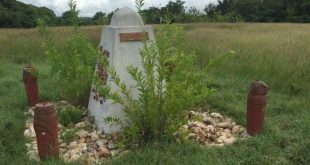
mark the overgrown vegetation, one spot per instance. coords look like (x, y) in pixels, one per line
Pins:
(74, 64)
(168, 84)
(273, 53)
(70, 115)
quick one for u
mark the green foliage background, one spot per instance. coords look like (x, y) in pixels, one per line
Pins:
(18, 14)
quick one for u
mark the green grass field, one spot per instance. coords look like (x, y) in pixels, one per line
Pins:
(278, 54)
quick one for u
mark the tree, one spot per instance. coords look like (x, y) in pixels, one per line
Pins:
(152, 15)
(210, 9)
(98, 15)
(250, 10)
(100, 18)
(193, 11)
(18, 14)
(65, 19)
(174, 10)
(225, 6)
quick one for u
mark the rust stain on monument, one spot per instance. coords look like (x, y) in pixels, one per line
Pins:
(256, 107)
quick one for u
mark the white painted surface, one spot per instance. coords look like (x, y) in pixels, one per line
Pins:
(126, 17)
(122, 55)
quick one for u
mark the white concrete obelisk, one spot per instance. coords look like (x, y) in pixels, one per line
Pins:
(123, 41)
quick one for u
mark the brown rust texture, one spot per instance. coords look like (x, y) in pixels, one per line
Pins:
(137, 36)
(31, 85)
(256, 107)
(46, 128)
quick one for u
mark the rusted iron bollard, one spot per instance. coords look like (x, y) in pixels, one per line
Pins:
(46, 128)
(256, 106)
(31, 86)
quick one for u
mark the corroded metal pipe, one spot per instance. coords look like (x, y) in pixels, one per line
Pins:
(46, 128)
(31, 85)
(256, 107)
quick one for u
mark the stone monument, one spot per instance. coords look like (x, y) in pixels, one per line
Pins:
(121, 42)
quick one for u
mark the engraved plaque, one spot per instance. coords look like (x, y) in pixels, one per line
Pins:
(139, 36)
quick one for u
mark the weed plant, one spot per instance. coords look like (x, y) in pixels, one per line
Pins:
(70, 115)
(74, 64)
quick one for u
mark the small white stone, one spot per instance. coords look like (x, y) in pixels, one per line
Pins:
(80, 125)
(111, 146)
(34, 148)
(94, 136)
(82, 134)
(210, 121)
(74, 157)
(245, 135)
(28, 145)
(216, 115)
(192, 136)
(60, 126)
(27, 133)
(73, 145)
(104, 151)
(29, 124)
(81, 140)
(83, 146)
(227, 134)
(102, 142)
(219, 141)
(227, 131)
(211, 129)
(226, 140)
(64, 102)
(224, 125)
(62, 151)
(196, 130)
(218, 134)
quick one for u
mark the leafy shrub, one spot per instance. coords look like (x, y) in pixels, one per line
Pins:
(168, 85)
(69, 115)
(74, 65)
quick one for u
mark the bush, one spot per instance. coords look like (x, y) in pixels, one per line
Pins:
(169, 84)
(69, 115)
(75, 65)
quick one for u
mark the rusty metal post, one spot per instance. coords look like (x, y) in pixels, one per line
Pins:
(46, 128)
(256, 107)
(30, 83)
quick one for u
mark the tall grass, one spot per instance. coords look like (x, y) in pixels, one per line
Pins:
(278, 54)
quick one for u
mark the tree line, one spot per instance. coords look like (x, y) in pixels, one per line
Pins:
(232, 11)
(18, 14)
